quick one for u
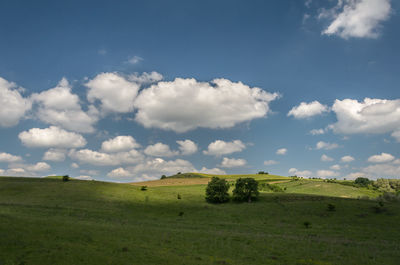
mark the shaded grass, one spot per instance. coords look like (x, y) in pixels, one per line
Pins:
(46, 221)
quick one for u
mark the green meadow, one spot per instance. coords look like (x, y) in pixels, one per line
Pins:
(48, 221)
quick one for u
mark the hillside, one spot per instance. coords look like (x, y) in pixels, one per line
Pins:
(47, 221)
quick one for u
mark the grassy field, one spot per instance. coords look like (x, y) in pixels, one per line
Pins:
(47, 221)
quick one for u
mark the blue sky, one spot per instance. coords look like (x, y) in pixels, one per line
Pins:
(130, 90)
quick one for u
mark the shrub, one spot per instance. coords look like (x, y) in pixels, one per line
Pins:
(65, 178)
(179, 196)
(217, 191)
(143, 188)
(362, 181)
(331, 207)
(275, 188)
(307, 224)
(246, 189)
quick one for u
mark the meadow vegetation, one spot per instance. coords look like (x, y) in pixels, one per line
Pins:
(49, 221)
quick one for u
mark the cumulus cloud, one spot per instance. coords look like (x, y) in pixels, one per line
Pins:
(185, 104)
(213, 171)
(156, 167)
(356, 18)
(232, 162)
(54, 155)
(219, 147)
(51, 137)
(145, 78)
(91, 157)
(119, 173)
(382, 170)
(372, 116)
(281, 151)
(114, 91)
(327, 173)
(119, 143)
(60, 107)
(335, 167)
(9, 158)
(13, 105)
(134, 59)
(307, 110)
(382, 158)
(160, 149)
(270, 162)
(74, 165)
(84, 177)
(326, 158)
(317, 131)
(326, 146)
(40, 166)
(187, 147)
(355, 175)
(347, 159)
(300, 173)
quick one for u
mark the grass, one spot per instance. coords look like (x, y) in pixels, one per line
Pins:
(47, 221)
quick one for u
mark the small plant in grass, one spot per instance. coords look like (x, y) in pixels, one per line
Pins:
(307, 224)
(65, 178)
(217, 191)
(143, 188)
(181, 214)
(246, 189)
(179, 196)
(331, 207)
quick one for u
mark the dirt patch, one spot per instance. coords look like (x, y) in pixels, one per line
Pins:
(172, 182)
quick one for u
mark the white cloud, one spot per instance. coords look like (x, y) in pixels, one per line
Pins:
(232, 162)
(119, 173)
(134, 59)
(270, 162)
(307, 110)
(327, 173)
(372, 116)
(145, 78)
(114, 91)
(357, 18)
(187, 147)
(74, 165)
(281, 151)
(326, 146)
(119, 143)
(300, 173)
(219, 147)
(355, 175)
(326, 158)
(212, 171)
(40, 166)
(58, 106)
(13, 105)
(347, 159)
(383, 170)
(2, 172)
(396, 162)
(54, 155)
(160, 149)
(51, 137)
(335, 167)
(91, 157)
(9, 158)
(185, 104)
(317, 131)
(396, 135)
(158, 166)
(84, 177)
(382, 158)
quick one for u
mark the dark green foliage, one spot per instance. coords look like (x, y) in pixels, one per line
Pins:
(163, 177)
(307, 224)
(362, 181)
(331, 207)
(65, 178)
(143, 188)
(178, 196)
(217, 191)
(262, 172)
(387, 185)
(181, 214)
(246, 189)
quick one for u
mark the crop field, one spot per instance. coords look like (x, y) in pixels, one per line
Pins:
(48, 221)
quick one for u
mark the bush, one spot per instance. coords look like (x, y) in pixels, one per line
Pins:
(331, 207)
(178, 196)
(143, 188)
(246, 189)
(362, 181)
(217, 191)
(163, 177)
(65, 178)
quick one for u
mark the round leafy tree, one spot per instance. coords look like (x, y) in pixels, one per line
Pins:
(246, 189)
(217, 191)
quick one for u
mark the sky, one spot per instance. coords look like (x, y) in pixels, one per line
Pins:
(128, 91)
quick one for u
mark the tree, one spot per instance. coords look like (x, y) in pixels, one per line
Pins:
(163, 177)
(246, 189)
(362, 181)
(217, 191)
(65, 178)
